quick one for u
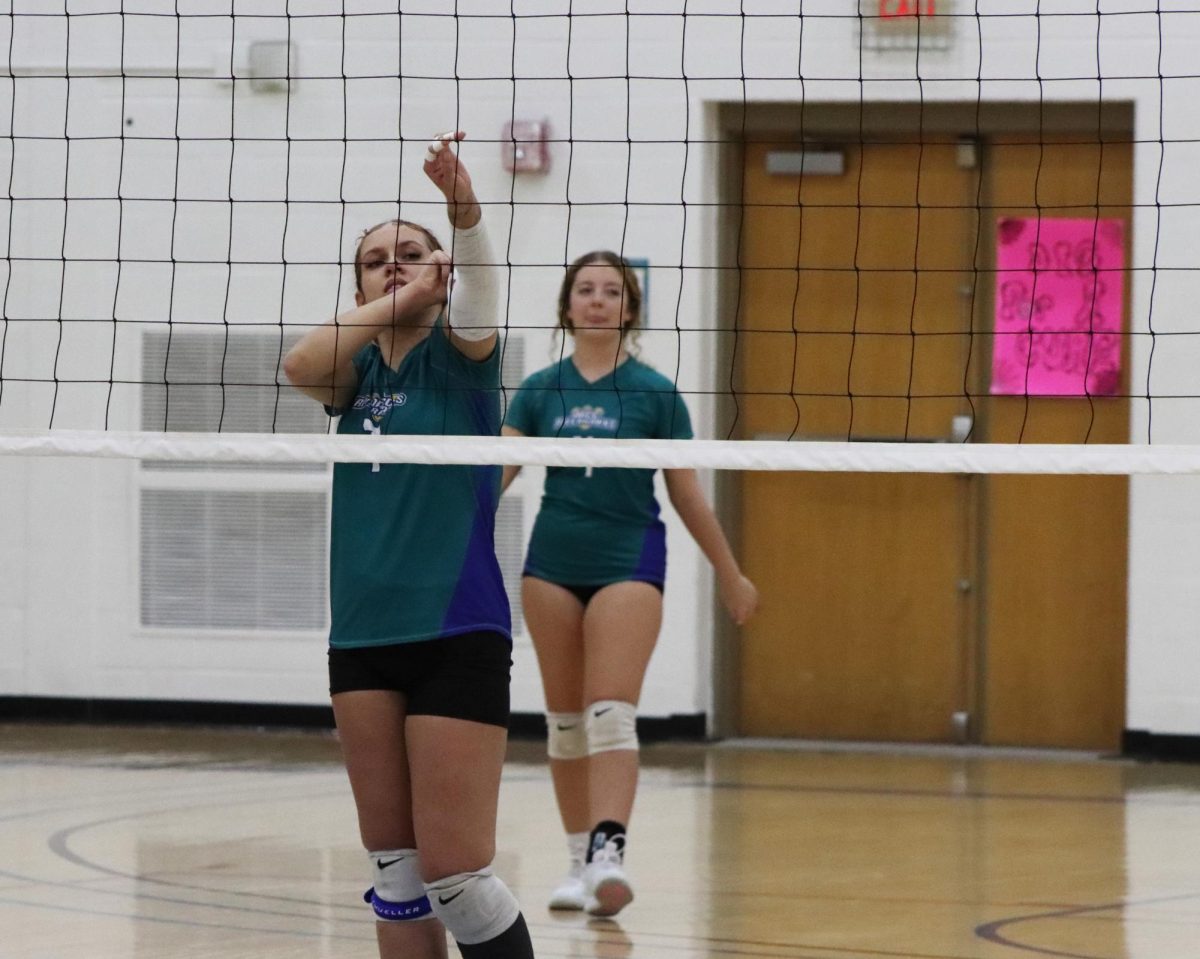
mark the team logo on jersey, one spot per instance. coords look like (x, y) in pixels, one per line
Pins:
(379, 404)
(586, 418)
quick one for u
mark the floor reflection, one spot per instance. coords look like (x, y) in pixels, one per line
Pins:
(195, 843)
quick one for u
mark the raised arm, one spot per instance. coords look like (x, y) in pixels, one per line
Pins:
(737, 592)
(474, 296)
(449, 174)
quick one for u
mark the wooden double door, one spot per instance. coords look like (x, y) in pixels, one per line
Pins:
(920, 607)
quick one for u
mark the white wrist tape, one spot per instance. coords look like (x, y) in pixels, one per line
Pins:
(473, 302)
(472, 334)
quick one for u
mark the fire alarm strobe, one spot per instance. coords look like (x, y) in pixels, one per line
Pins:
(524, 147)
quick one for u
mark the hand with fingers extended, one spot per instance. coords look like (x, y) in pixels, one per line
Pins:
(449, 174)
(445, 169)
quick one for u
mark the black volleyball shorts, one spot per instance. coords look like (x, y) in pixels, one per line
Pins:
(461, 677)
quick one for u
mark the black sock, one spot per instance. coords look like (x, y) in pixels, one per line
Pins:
(513, 943)
(605, 832)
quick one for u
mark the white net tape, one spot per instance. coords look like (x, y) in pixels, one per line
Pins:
(815, 197)
(777, 455)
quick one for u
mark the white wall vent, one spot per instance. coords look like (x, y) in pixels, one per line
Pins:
(510, 551)
(229, 546)
(217, 381)
(233, 559)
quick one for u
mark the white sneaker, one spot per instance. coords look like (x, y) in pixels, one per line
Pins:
(607, 888)
(569, 894)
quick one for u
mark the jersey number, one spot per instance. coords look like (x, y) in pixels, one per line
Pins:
(374, 430)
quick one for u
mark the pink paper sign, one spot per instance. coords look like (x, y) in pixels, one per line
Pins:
(1058, 306)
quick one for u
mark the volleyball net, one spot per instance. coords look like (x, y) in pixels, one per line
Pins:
(936, 235)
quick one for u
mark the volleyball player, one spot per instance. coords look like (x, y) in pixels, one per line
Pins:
(420, 643)
(594, 572)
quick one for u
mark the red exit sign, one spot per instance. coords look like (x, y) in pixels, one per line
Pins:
(890, 9)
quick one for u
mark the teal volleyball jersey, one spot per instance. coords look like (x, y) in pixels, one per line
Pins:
(599, 525)
(412, 547)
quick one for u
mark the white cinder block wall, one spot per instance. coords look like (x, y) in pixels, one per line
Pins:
(225, 208)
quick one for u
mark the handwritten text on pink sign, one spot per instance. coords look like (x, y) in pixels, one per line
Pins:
(1058, 306)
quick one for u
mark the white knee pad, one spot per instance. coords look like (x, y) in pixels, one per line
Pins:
(611, 724)
(566, 736)
(474, 906)
(398, 894)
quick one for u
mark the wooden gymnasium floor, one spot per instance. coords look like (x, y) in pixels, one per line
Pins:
(122, 843)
